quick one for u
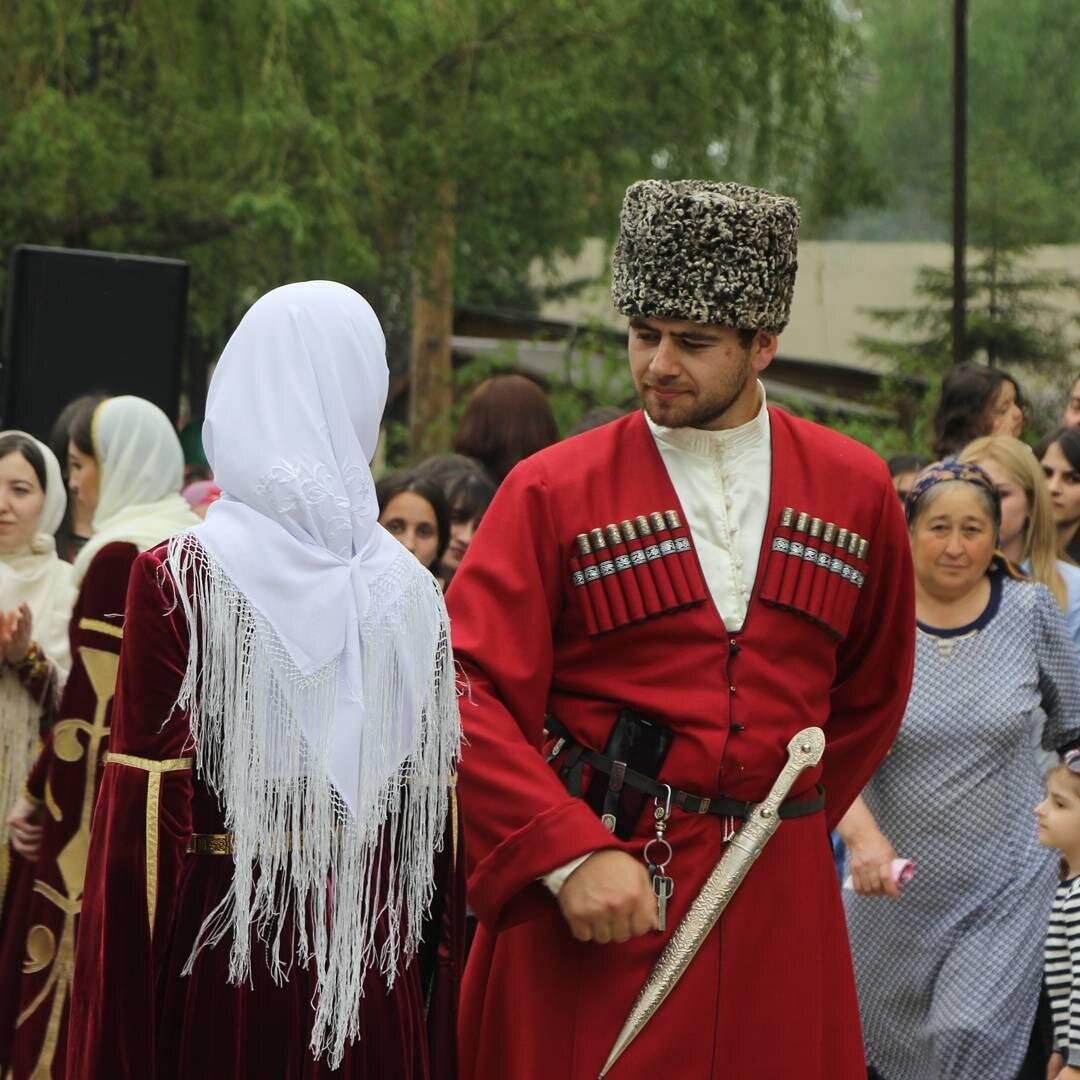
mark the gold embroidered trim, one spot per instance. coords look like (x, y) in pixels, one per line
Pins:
(454, 823)
(99, 626)
(153, 803)
(32, 798)
(154, 770)
(149, 765)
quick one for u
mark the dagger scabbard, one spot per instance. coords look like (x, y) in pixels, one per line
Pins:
(804, 751)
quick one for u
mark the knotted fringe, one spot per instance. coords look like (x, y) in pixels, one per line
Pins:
(358, 877)
(19, 738)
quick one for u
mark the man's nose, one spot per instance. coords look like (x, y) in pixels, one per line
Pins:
(666, 362)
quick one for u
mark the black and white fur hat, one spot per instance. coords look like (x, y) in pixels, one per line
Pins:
(706, 252)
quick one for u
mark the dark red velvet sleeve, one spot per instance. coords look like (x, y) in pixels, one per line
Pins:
(520, 823)
(100, 604)
(141, 826)
(874, 667)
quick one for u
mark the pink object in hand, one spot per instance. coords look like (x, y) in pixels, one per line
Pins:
(903, 870)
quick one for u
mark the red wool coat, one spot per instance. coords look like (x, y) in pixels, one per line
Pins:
(771, 992)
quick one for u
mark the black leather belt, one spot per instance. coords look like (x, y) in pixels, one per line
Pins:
(620, 773)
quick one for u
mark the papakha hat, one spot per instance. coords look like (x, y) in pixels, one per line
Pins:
(706, 252)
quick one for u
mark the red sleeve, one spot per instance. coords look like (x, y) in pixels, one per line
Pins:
(874, 666)
(142, 822)
(520, 823)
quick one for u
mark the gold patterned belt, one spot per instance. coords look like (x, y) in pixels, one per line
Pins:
(222, 843)
(210, 844)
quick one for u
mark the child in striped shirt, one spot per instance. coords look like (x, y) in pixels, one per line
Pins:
(1059, 827)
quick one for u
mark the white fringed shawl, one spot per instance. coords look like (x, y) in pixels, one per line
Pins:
(320, 680)
(252, 752)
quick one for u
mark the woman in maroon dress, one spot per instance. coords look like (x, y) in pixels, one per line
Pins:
(284, 734)
(132, 482)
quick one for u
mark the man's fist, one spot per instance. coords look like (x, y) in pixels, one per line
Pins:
(609, 897)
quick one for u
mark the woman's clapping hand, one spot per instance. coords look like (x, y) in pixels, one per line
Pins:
(16, 628)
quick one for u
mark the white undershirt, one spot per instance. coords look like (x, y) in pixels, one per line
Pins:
(722, 479)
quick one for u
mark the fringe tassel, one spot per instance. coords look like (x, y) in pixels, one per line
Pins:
(295, 843)
(19, 738)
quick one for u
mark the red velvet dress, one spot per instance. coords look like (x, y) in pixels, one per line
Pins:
(771, 992)
(38, 949)
(146, 898)
(38, 678)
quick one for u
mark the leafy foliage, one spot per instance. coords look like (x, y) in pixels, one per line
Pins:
(1023, 117)
(273, 141)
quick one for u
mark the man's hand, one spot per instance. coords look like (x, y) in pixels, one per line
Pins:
(1067, 1072)
(871, 865)
(23, 827)
(609, 897)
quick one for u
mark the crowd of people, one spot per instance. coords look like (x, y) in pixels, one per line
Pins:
(312, 774)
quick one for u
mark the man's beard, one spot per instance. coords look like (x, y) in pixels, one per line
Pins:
(700, 412)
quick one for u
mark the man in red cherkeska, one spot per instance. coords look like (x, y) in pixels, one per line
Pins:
(679, 591)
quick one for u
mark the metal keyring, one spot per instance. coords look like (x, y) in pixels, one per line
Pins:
(667, 804)
(654, 862)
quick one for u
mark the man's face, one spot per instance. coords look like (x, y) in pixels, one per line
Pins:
(1072, 409)
(696, 375)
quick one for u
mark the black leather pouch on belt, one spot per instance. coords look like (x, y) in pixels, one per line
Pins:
(641, 744)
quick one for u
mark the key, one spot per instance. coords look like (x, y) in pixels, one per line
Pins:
(663, 886)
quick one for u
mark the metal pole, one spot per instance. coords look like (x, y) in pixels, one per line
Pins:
(959, 211)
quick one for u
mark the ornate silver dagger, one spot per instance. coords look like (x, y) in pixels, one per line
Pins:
(763, 819)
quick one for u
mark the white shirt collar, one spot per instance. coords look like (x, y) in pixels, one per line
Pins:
(728, 443)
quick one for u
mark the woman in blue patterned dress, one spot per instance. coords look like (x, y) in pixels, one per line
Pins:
(949, 971)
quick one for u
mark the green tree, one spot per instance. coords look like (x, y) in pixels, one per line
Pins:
(426, 151)
(1023, 114)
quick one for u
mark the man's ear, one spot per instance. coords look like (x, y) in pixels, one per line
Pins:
(763, 350)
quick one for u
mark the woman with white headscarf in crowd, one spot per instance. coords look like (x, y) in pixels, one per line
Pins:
(133, 482)
(283, 742)
(36, 597)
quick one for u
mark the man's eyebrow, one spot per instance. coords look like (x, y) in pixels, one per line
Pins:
(639, 323)
(697, 335)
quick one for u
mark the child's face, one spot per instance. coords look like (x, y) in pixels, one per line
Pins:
(1059, 813)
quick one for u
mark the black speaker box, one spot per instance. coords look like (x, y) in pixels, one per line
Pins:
(77, 322)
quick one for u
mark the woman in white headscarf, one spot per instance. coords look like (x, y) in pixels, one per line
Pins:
(133, 481)
(36, 597)
(285, 734)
